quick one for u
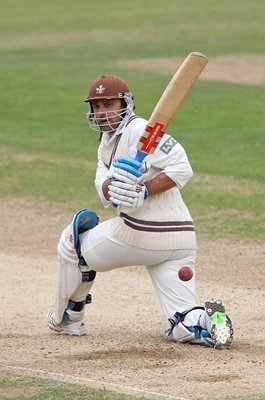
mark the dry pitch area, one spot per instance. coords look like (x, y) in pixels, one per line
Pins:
(125, 350)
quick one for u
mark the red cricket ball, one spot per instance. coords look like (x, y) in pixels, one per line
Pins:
(185, 273)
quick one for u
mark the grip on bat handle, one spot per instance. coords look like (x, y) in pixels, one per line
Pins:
(140, 155)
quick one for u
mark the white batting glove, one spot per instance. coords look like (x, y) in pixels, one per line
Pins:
(121, 175)
(129, 195)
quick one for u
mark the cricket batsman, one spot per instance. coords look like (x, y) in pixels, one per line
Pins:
(152, 227)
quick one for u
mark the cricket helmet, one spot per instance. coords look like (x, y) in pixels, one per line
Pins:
(110, 87)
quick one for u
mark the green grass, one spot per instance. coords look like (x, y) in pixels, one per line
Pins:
(49, 54)
(51, 51)
(19, 388)
(15, 387)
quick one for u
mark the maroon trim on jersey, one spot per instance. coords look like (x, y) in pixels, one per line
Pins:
(155, 226)
(118, 138)
(132, 117)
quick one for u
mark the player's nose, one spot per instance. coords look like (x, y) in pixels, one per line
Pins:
(101, 112)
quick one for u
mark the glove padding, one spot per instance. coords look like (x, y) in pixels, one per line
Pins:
(129, 164)
(124, 171)
(128, 194)
(121, 175)
(126, 168)
(132, 165)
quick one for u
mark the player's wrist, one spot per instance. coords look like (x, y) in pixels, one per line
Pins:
(146, 191)
(105, 188)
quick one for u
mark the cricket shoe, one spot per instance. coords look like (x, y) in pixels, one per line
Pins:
(72, 328)
(219, 325)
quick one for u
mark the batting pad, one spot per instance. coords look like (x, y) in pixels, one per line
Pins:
(83, 221)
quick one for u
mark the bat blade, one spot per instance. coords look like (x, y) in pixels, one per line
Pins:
(169, 103)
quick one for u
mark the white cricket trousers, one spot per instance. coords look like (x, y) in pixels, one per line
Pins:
(103, 253)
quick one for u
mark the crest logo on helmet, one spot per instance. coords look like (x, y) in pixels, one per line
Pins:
(100, 89)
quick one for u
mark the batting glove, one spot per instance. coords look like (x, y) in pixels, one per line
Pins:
(129, 164)
(124, 172)
(121, 175)
(132, 165)
(129, 195)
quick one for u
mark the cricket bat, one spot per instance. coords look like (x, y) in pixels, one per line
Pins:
(169, 103)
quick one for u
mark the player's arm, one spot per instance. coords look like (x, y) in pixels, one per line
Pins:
(171, 158)
(134, 194)
(102, 181)
(159, 184)
(105, 189)
(176, 170)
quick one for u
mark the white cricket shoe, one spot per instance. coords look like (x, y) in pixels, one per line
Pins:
(72, 328)
(219, 325)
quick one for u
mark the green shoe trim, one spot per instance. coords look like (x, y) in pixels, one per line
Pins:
(218, 318)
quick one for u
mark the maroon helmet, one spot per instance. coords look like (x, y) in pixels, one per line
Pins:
(109, 87)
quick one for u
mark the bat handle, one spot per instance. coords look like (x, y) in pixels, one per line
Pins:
(140, 155)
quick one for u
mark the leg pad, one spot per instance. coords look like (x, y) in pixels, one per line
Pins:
(84, 220)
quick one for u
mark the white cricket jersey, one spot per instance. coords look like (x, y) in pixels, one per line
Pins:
(164, 221)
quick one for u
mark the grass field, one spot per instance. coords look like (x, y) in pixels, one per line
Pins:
(49, 54)
(43, 389)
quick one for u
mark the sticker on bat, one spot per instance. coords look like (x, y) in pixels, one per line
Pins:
(168, 145)
(151, 137)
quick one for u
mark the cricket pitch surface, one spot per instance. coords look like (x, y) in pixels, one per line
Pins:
(125, 349)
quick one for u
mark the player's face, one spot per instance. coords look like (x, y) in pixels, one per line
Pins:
(107, 113)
